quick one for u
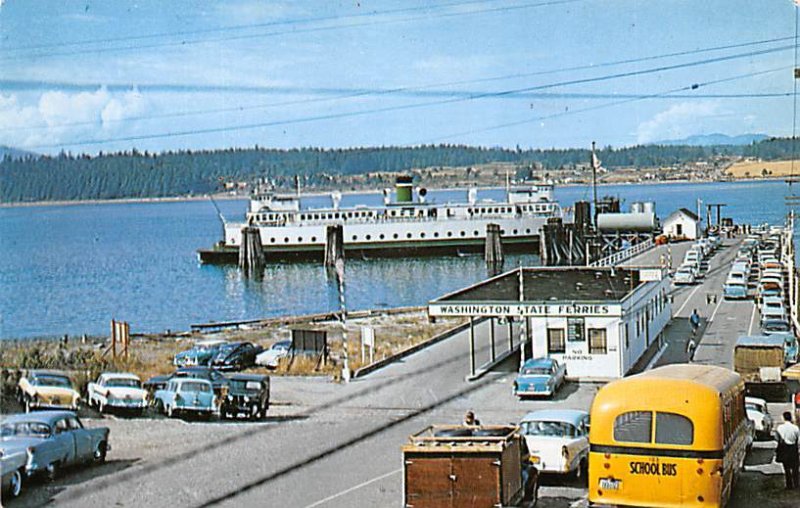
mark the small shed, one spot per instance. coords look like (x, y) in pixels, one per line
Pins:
(682, 224)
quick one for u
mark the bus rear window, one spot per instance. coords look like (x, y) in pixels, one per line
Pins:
(633, 427)
(673, 428)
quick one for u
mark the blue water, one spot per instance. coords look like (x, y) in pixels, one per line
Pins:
(71, 269)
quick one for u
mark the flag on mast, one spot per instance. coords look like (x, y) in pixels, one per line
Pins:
(596, 161)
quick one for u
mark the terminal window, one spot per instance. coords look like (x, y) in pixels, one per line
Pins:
(555, 340)
(598, 343)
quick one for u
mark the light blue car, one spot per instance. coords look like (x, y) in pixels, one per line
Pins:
(187, 396)
(790, 347)
(200, 354)
(734, 291)
(540, 377)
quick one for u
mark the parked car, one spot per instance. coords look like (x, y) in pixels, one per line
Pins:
(200, 354)
(117, 390)
(558, 440)
(43, 389)
(185, 395)
(774, 312)
(540, 376)
(53, 440)
(733, 290)
(271, 357)
(248, 395)
(758, 413)
(12, 472)
(684, 275)
(236, 356)
(217, 379)
(772, 326)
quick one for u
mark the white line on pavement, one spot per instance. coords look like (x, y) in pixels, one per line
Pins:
(688, 298)
(711, 319)
(657, 356)
(752, 317)
(356, 487)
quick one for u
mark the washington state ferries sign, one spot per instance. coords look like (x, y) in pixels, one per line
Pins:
(523, 309)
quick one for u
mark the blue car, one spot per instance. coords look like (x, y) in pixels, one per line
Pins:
(734, 291)
(186, 395)
(540, 377)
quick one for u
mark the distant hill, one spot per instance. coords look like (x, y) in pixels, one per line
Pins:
(714, 139)
(135, 174)
(14, 153)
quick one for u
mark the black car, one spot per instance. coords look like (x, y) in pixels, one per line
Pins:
(248, 395)
(218, 380)
(236, 356)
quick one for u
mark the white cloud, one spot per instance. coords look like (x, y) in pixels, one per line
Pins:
(679, 121)
(59, 117)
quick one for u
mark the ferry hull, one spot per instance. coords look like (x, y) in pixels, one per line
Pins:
(316, 252)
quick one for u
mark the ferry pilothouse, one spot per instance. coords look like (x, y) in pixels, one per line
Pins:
(408, 225)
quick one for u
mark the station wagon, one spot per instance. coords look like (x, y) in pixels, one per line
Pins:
(186, 395)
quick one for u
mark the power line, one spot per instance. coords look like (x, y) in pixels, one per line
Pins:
(288, 32)
(484, 95)
(347, 93)
(593, 108)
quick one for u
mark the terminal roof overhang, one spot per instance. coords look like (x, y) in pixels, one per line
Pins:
(550, 285)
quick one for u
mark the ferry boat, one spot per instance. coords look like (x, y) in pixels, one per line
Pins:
(408, 225)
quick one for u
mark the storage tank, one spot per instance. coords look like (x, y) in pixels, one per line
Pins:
(649, 207)
(626, 221)
(637, 207)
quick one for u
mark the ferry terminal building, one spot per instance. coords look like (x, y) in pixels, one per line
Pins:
(598, 321)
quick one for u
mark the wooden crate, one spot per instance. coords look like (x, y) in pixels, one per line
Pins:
(443, 469)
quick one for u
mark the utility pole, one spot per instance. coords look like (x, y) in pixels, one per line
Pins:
(595, 163)
(343, 311)
(523, 326)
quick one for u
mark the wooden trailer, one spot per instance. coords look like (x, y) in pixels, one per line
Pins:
(463, 466)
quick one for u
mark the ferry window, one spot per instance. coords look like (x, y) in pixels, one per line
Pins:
(299, 239)
(449, 234)
(286, 240)
(633, 427)
(381, 236)
(422, 235)
(336, 215)
(673, 428)
(369, 237)
(475, 232)
(313, 238)
(436, 234)
(555, 340)
(355, 237)
(394, 213)
(408, 235)
(271, 240)
(527, 231)
(598, 344)
(463, 233)
(515, 231)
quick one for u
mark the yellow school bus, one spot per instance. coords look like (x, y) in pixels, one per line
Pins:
(673, 436)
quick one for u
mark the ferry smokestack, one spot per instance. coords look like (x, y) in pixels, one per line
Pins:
(403, 189)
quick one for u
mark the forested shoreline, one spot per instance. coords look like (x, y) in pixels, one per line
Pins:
(135, 174)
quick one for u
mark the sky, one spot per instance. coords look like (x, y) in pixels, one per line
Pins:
(92, 76)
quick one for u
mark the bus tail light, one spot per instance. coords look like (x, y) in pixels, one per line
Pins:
(700, 470)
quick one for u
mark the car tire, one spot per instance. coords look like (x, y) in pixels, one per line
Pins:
(580, 472)
(15, 486)
(100, 453)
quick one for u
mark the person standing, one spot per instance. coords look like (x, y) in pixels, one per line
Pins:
(694, 320)
(691, 347)
(469, 419)
(787, 453)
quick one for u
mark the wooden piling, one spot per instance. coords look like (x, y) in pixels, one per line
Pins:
(334, 244)
(251, 252)
(493, 249)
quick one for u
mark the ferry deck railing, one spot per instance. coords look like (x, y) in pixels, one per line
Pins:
(625, 254)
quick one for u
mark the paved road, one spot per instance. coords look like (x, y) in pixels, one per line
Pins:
(339, 445)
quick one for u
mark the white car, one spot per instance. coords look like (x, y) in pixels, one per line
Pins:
(758, 413)
(773, 310)
(118, 391)
(558, 440)
(271, 357)
(684, 275)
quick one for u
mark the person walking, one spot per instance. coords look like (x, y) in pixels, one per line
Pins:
(691, 347)
(694, 320)
(788, 435)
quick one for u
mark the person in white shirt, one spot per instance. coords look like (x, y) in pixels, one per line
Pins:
(788, 436)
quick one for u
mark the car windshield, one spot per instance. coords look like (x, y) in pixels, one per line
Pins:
(550, 429)
(227, 348)
(197, 374)
(536, 371)
(59, 381)
(194, 387)
(25, 429)
(685, 271)
(124, 383)
(241, 385)
(776, 326)
(281, 346)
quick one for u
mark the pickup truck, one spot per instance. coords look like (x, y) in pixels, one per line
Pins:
(53, 440)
